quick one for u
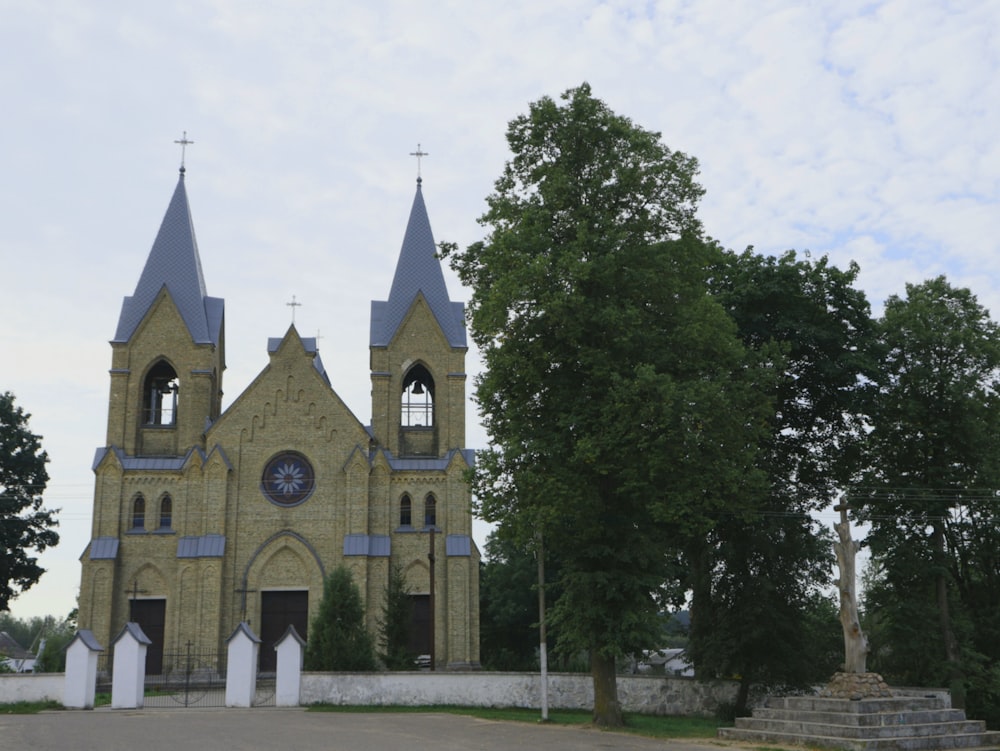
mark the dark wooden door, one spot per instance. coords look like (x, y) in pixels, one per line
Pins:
(420, 627)
(278, 611)
(151, 617)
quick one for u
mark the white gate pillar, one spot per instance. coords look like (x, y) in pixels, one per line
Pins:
(291, 649)
(81, 670)
(241, 667)
(129, 674)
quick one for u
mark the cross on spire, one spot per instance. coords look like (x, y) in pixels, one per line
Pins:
(184, 142)
(419, 153)
(293, 305)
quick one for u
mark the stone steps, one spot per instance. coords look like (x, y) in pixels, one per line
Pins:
(904, 723)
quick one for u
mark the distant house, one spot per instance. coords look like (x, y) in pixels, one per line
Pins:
(14, 656)
(666, 662)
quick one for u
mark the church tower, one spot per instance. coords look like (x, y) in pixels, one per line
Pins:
(168, 352)
(417, 356)
(418, 346)
(167, 358)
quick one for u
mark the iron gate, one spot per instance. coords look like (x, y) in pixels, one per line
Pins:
(191, 678)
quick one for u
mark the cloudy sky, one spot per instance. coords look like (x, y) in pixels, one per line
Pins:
(863, 130)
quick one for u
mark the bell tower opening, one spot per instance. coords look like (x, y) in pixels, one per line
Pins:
(159, 396)
(417, 428)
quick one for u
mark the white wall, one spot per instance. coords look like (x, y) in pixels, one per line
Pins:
(647, 694)
(31, 687)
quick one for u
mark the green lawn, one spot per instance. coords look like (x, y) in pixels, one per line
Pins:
(654, 726)
(29, 707)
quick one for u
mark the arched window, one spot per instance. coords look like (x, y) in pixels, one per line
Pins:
(160, 395)
(139, 513)
(418, 398)
(430, 511)
(405, 511)
(166, 512)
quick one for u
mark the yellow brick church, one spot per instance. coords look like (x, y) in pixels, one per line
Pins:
(205, 518)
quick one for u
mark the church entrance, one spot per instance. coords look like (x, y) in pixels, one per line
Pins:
(151, 617)
(420, 627)
(278, 611)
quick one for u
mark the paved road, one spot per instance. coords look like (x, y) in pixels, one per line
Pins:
(298, 730)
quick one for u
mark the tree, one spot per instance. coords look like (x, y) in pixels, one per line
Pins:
(394, 626)
(754, 578)
(620, 404)
(935, 462)
(25, 526)
(338, 639)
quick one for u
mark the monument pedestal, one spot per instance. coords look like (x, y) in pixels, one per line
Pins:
(907, 723)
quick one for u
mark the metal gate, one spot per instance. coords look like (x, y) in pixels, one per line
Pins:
(191, 678)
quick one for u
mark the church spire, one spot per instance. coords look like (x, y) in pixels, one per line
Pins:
(174, 263)
(418, 270)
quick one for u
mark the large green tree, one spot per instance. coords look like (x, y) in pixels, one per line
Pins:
(25, 526)
(755, 576)
(935, 465)
(338, 637)
(620, 405)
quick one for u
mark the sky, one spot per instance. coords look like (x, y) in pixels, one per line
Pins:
(866, 131)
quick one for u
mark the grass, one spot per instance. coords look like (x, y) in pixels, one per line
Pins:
(652, 726)
(29, 707)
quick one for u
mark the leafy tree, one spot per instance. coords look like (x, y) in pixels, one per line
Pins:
(935, 443)
(508, 606)
(24, 525)
(338, 638)
(620, 405)
(394, 626)
(755, 576)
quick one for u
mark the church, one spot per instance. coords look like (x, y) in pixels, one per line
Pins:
(204, 518)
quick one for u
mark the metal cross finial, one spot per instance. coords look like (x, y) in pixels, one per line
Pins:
(293, 305)
(184, 142)
(418, 153)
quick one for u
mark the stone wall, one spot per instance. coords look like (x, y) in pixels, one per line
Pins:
(660, 695)
(31, 687)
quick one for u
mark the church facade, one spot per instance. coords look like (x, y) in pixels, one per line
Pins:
(204, 518)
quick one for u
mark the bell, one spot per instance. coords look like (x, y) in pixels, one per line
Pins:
(417, 388)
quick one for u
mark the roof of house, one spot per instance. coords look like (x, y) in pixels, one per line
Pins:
(174, 263)
(418, 271)
(9, 647)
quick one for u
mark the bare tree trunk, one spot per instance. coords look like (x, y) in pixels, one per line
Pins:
(855, 641)
(607, 710)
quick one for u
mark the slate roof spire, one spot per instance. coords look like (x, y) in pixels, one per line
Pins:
(418, 270)
(174, 263)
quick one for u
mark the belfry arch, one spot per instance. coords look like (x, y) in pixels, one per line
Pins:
(417, 417)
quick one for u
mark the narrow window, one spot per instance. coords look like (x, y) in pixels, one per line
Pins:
(139, 513)
(418, 398)
(166, 511)
(160, 395)
(430, 511)
(405, 512)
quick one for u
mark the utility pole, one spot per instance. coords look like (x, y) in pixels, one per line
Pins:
(543, 657)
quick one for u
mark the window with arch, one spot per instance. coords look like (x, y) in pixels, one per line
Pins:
(430, 511)
(405, 511)
(139, 513)
(166, 512)
(418, 398)
(160, 395)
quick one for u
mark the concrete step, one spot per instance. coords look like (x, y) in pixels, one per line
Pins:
(811, 726)
(973, 742)
(872, 719)
(861, 706)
